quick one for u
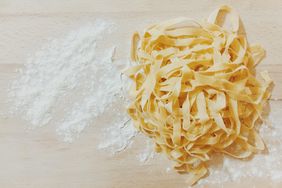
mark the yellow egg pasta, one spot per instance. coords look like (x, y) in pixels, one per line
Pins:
(195, 91)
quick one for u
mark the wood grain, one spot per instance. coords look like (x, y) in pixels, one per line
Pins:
(39, 158)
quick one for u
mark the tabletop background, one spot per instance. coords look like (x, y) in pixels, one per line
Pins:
(39, 158)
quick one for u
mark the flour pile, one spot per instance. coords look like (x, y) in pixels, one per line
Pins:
(73, 72)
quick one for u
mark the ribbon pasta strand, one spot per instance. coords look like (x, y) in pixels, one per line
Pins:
(194, 90)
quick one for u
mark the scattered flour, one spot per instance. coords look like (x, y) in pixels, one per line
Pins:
(73, 68)
(103, 88)
(120, 133)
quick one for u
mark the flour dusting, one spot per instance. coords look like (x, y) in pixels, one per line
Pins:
(103, 88)
(73, 71)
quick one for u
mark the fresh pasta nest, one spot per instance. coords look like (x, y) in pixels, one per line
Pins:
(195, 91)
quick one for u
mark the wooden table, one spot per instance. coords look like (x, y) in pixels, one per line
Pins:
(39, 158)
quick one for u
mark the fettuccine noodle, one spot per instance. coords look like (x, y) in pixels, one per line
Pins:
(195, 91)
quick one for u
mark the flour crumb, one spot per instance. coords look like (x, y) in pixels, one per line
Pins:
(168, 169)
(148, 152)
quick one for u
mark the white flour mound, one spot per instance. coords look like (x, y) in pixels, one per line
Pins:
(72, 71)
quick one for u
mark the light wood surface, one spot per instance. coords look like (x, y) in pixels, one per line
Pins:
(39, 158)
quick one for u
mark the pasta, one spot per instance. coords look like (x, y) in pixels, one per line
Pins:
(195, 91)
